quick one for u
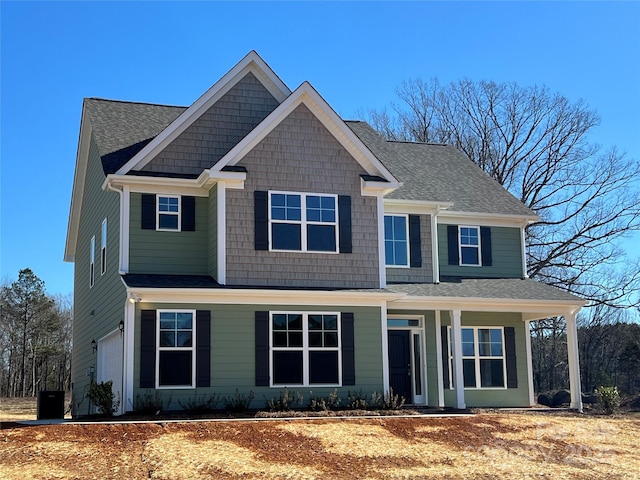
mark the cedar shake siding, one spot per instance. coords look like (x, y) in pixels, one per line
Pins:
(424, 272)
(218, 130)
(300, 155)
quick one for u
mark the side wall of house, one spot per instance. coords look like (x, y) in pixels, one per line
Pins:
(181, 252)
(99, 309)
(300, 155)
(213, 232)
(506, 250)
(233, 353)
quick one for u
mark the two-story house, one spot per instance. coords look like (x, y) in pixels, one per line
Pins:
(255, 241)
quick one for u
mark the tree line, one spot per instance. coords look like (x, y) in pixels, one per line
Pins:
(35, 338)
(536, 144)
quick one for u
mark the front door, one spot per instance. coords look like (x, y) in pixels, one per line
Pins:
(400, 363)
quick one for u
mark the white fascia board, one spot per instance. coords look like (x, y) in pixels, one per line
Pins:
(210, 177)
(251, 63)
(161, 185)
(540, 308)
(414, 206)
(82, 160)
(488, 219)
(306, 94)
(374, 189)
(258, 296)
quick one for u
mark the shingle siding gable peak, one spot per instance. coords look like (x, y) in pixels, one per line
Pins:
(306, 95)
(251, 63)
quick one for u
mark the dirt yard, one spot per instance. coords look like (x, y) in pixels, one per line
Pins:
(490, 445)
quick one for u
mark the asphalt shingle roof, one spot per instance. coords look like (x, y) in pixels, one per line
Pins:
(122, 129)
(440, 173)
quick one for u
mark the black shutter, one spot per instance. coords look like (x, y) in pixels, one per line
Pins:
(261, 219)
(452, 244)
(415, 248)
(485, 246)
(510, 355)
(444, 334)
(203, 348)
(188, 214)
(348, 349)
(148, 208)
(262, 349)
(148, 349)
(344, 227)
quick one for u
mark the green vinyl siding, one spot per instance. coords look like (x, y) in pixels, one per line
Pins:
(233, 352)
(506, 252)
(97, 310)
(184, 253)
(507, 397)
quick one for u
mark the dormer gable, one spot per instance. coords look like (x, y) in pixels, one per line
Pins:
(251, 72)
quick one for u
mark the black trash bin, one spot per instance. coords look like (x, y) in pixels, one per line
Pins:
(50, 405)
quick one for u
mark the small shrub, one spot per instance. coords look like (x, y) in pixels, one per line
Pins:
(356, 401)
(285, 401)
(608, 399)
(239, 402)
(200, 404)
(389, 401)
(323, 404)
(149, 403)
(102, 396)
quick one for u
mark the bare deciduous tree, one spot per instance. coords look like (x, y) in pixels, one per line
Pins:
(535, 143)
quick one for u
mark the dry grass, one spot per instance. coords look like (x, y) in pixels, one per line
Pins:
(491, 445)
(18, 409)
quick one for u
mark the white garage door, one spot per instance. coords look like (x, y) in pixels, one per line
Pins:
(110, 363)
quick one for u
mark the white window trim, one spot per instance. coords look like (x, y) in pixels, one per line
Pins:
(305, 349)
(406, 224)
(178, 213)
(303, 222)
(181, 349)
(476, 358)
(103, 248)
(477, 228)
(92, 262)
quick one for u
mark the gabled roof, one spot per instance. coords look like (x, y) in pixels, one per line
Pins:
(307, 95)
(122, 129)
(440, 173)
(251, 63)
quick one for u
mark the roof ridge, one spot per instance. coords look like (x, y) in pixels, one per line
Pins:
(420, 143)
(135, 102)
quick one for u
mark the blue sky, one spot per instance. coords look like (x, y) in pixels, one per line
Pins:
(53, 54)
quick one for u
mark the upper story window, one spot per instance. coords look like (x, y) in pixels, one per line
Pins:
(396, 240)
(103, 248)
(168, 213)
(303, 222)
(92, 262)
(469, 246)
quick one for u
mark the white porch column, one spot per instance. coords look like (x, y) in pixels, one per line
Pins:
(439, 366)
(458, 376)
(127, 364)
(385, 347)
(574, 362)
(527, 336)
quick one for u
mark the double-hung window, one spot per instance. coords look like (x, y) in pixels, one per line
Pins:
(483, 358)
(175, 352)
(470, 246)
(168, 212)
(103, 248)
(396, 240)
(92, 262)
(303, 222)
(305, 349)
